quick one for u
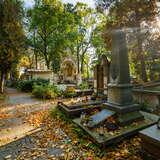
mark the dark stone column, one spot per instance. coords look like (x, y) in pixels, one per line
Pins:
(105, 65)
(119, 89)
(95, 79)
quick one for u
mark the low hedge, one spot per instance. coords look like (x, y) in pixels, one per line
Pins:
(84, 85)
(27, 85)
(45, 91)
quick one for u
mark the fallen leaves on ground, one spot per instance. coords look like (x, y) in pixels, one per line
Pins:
(58, 133)
(4, 115)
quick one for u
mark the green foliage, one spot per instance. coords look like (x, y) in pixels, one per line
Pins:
(58, 29)
(131, 14)
(82, 32)
(45, 91)
(2, 97)
(11, 36)
(51, 24)
(70, 92)
(12, 84)
(56, 63)
(97, 36)
(84, 85)
(27, 85)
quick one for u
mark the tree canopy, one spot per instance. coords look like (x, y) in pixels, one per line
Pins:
(11, 36)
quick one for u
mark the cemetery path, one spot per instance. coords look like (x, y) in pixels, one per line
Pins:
(14, 112)
(28, 131)
(21, 129)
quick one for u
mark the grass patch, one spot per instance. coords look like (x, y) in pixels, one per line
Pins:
(2, 97)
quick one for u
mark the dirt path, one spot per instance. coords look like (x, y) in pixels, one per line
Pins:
(13, 113)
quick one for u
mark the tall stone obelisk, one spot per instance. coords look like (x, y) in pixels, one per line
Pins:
(120, 89)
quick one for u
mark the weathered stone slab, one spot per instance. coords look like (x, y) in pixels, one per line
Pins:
(153, 133)
(100, 117)
(85, 92)
(151, 140)
(124, 132)
(77, 109)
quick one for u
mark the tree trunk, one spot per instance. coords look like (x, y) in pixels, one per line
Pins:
(87, 71)
(48, 64)
(78, 67)
(36, 59)
(2, 82)
(82, 64)
(35, 52)
(151, 73)
(45, 55)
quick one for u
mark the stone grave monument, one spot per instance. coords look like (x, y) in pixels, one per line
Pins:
(120, 97)
(68, 71)
(101, 75)
(115, 120)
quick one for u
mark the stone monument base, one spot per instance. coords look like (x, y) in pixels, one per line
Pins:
(120, 100)
(124, 132)
(126, 114)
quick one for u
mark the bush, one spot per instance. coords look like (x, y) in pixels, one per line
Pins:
(84, 85)
(27, 85)
(45, 91)
(70, 92)
(12, 84)
(61, 87)
(2, 97)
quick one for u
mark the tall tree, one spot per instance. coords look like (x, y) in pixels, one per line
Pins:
(53, 24)
(11, 37)
(129, 13)
(98, 41)
(85, 19)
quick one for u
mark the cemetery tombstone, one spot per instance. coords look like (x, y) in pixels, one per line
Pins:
(120, 89)
(120, 111)
(101, 75)
(105, 64)
(98, 79)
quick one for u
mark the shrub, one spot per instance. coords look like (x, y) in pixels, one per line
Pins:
(2, 97)
(61, 88)
(84, 85)
(27, 85)
(12, 83)
(45, 91)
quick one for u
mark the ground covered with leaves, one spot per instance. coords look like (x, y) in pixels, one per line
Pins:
(60, 139)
